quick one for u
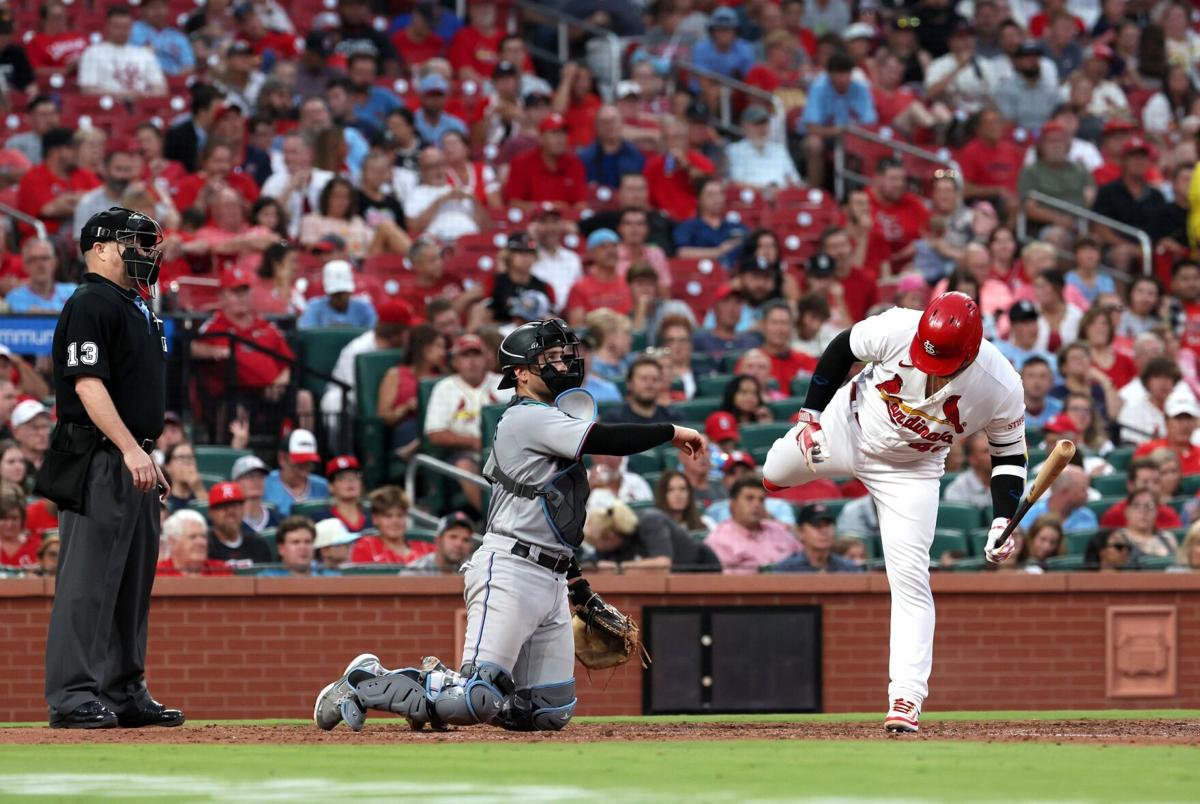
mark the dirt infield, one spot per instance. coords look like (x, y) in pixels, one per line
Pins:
(386, 730)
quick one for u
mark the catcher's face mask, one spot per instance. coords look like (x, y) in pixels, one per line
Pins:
(561, 368)
(139, 242)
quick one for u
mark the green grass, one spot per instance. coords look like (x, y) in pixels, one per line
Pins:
(631, 772)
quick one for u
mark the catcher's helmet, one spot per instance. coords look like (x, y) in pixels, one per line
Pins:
(948, 335)
(139, 234)
(525, 344)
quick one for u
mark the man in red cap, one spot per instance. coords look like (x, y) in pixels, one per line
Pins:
(1132, 200)
(454, 414)
(390, 332)
(549, 173)
(229, 538)
(345, 495)
(262, 371)
(721, 427)
(1055, 175)
(931, 381)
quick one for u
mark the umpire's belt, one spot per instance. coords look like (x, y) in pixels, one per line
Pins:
(539, 556)
(147, 444)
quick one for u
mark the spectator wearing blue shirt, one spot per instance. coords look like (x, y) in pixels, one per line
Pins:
(834, 102)
(375, 102)
(723, 52)
(1037, 378)
(710, 235)
(337, 308)
(42, 294)
(294, 481)
(1022, 340)
(431, 121)
(611, 156)
(441, 19)
(171, 46)
(1068, 501)
(296, 544)
(1085, 276)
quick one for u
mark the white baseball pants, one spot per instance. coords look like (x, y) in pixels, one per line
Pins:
(906, 499)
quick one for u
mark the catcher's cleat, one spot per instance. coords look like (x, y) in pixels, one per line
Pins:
(903, 717)
(329, 710)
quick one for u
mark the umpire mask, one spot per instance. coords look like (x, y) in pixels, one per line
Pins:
(139, 237)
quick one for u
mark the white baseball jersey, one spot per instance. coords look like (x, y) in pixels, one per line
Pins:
(901, 424)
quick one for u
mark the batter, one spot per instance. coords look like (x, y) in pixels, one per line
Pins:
(931, 381)
(518, 657)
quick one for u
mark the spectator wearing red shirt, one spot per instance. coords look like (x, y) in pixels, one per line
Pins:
(166, 174)
(898, 106)
(17, 547)
(1115, 134)
(216, 172)
(779, 326)
(778, 67)
(345, 495)
(255, 370)
(991, 163)
(1182, 411)
(675, 175)
(389, 508)
(428, 281)
(576, 100)
(602, 285)
(57, 46)
(550, 173)
(898, 215)
(186, 535)
(253, 31)
(855, 290)
(475, 50)
(418, 42)
(51, 190)
(1143, 473)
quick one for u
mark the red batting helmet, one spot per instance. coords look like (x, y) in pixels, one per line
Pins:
(948, 336)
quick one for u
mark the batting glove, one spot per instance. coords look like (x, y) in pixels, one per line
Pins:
(810, 439)
(999, 553)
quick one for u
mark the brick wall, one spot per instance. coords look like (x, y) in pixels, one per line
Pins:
(246, 647)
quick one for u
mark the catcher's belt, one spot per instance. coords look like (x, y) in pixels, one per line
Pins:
(537, 555)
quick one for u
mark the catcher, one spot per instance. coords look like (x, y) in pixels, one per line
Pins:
(523, 590)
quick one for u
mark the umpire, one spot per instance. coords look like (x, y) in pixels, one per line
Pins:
(110, 383)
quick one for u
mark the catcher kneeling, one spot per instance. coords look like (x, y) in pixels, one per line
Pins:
(524, 589)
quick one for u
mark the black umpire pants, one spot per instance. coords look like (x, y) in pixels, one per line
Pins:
(96, 648)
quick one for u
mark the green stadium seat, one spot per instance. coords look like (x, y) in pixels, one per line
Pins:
(712, 385)
(373, 438)
(949, 541)
(957, 516)
(310, 507)
(759, 454)
(200, 506)
(210, 479)
(270, 536)
(1110, 485)
(637, 343)
(800, 386)
(217, 460)
(1155, 563)
(1067, 563)
(1189, 484)
(319, 349)
(784, 409)
(1098, 507)
(1036, 454)
(641, 505)
(651, 478)
(947, 479)
(373, 569)
(969, 565)
(489, 416)
(695, 410)
(420, 535)
(703, 365)
(643, 462)
(1119, 458)
(1077, 542)
(760, 435)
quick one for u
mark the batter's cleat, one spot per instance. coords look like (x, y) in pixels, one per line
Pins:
(329, 710)
(903, 717)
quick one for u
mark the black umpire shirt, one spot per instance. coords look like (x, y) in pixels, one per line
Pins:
(107, 332)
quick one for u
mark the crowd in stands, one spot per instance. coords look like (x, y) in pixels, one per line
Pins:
(387, 177)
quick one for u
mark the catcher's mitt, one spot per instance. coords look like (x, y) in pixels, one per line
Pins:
(604, 637)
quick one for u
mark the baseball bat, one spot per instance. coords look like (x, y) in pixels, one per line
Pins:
(1058, 459)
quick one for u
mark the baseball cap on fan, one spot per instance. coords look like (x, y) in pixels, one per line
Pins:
(246, 465)
(337, 277)
(226, 493)
(721, 425)
(26, 412)
(302, 447)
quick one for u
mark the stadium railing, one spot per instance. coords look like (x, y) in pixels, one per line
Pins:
(885, 144)
(607, 46)
(1083, 217)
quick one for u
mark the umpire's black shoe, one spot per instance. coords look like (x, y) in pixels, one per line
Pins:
(152, 714)
(91, 715)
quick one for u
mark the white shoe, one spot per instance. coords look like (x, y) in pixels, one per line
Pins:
(337, 698)
(904, 717)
